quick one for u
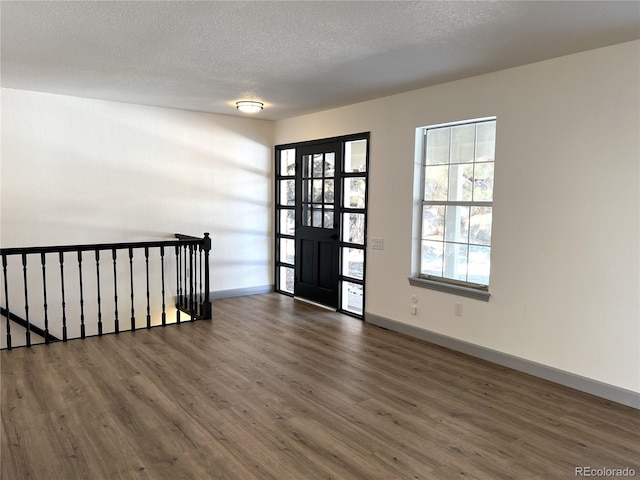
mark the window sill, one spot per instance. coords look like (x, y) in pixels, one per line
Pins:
(450, 288)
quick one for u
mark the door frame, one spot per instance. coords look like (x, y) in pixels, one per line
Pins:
(283, 266)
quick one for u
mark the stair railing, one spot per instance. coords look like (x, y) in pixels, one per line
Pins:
(104, 266)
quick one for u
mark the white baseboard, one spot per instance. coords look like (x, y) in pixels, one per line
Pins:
(584, 384)
(241, 292)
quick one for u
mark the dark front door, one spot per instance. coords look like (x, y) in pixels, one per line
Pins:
(317, 238)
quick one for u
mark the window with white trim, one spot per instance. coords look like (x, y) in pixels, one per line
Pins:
(457, 203)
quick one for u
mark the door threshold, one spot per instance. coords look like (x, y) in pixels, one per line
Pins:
(326, 307)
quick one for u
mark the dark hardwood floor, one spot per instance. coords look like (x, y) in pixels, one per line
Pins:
(274, 388)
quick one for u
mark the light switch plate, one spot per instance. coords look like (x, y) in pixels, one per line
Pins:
(377, 243)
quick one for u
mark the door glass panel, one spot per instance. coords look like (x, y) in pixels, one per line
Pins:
(306, 166)
(316, 217)
(328, 191)
(329, 164)
(318, 165)
(353, 262)
(287, 192)
(354, 189)
(287, 250)
(306, 215)
(306, 190)
(353, 228)
(287, 222)
(286, 279)
(328, 218)
(288, 162)
(355, 156)
(352, 297)
(317, 191)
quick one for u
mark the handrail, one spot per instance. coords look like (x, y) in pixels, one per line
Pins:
(190, 268)
(182, 236)
(101, 246)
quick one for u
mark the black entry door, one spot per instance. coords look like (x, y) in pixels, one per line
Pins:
(317, 223)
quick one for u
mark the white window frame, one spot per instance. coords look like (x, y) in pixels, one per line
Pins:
(466, 288)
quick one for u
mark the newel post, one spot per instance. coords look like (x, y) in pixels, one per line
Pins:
(206, 307)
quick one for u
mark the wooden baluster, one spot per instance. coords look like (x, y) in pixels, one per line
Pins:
(133, 316)
(191, 283)
(44, 296)
(6, 299)
(26, 299)
(164, 314)
(185, 281)
(99, 299)
(82, 327)
(200, 292)
(206, 244)
(115, 290)
(185, 303)
(64, 305)
(146, 259)
(178, 282)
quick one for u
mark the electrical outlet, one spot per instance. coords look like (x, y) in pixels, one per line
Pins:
(458, 309)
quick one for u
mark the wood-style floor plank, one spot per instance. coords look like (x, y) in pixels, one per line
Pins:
(273, 388)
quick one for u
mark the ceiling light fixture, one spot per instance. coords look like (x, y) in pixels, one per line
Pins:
(249, 106)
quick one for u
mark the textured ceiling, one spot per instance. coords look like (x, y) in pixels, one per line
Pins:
(296, 56)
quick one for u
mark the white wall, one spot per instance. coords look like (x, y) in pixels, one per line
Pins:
(75, 170)
(565, 262)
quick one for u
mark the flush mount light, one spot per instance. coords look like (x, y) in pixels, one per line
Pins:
(249, 106)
